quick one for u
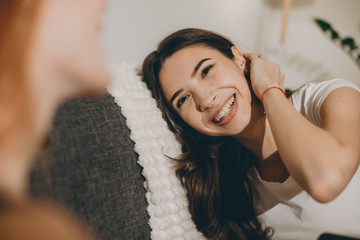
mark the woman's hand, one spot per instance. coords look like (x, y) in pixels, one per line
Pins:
(263, 73)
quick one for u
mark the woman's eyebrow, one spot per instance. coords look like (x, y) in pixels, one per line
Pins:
(175, 95)
(198, 66)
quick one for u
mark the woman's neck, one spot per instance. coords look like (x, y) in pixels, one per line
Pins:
(258, 138)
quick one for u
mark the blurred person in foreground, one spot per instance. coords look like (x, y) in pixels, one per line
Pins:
(49, 52)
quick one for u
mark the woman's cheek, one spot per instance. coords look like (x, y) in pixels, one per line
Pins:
(191, 118)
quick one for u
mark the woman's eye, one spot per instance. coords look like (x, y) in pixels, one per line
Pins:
(205, 71)
(181, 101)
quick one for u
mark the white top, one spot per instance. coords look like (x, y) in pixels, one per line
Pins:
(290, 211)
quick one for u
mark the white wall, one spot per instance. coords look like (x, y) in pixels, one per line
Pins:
(309, 54)
(134, 27)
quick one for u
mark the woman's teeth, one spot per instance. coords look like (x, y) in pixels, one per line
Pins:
(225, 110)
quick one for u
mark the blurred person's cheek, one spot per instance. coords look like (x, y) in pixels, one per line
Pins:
(68, 40)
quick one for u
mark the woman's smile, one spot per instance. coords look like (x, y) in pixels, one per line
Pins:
(226, 112)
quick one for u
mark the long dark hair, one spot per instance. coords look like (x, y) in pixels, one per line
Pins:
(213, 170)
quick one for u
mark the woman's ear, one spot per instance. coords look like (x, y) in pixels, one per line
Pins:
(238, 58)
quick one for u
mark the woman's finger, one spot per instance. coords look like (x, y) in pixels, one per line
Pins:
(254, 56)
(250, 56)
(262, 56)
(282, 75)
(282, 78)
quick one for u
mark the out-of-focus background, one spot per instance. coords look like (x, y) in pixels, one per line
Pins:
(132, 29)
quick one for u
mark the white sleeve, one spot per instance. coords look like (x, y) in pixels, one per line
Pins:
(309, 98)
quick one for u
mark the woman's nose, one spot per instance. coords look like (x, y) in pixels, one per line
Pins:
(205, 101)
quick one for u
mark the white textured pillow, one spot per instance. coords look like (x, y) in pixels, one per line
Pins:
(170, 218)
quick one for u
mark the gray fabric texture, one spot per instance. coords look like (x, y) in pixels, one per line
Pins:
(89, 165)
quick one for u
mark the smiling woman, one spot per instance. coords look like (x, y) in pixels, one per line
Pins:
(221, 209)
(254, 167)
(216, 82)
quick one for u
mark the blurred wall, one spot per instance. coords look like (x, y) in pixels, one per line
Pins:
(308, 53)
(132, 28)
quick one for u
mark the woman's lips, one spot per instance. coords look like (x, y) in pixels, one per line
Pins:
(226, 113)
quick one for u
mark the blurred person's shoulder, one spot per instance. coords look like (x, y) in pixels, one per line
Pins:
(38, 220)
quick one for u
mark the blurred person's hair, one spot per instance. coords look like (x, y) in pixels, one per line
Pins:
(17, 22)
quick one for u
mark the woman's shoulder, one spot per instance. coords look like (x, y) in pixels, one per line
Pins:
(309, 98)
(314, 87)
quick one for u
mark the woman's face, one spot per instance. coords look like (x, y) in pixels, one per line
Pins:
(208, 90)
(66, 43)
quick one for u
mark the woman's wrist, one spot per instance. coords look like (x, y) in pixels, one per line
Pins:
(272, 89)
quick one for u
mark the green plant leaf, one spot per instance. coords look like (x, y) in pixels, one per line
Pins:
(325, 26)
(334, 35)
(349, 42)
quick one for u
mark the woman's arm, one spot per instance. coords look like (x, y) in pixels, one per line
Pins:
(321, 159)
